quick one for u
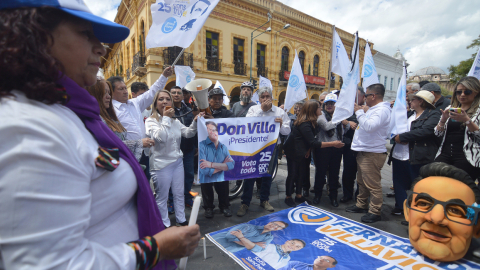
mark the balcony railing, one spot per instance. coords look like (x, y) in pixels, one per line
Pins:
(138, 61)
(332, 83)
(240, 68)
(262, 70)
(214, 64)
(128, 74)
(169, 57)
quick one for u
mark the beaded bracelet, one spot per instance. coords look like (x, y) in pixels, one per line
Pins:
(147, 252)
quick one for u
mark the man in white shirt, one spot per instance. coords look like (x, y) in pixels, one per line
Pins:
(265, 108)
(137, 89)
(369, 141)
(129, 111)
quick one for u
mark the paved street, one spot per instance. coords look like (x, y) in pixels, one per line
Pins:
(216, 259)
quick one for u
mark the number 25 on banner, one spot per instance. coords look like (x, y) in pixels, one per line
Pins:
(266, 156)
(178, 9)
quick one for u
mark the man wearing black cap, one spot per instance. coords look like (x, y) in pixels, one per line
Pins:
(215, 100)
(440, 101)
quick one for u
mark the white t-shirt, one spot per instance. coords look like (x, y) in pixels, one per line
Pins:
(57, 209)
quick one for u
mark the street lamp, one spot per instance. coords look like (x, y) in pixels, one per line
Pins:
(269, 29)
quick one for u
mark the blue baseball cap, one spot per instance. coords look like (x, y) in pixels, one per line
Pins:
(105, 30)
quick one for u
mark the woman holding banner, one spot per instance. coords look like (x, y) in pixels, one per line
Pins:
(72, 195)
(328, 160)
(303, 141)
(459, 128)
(166, 158)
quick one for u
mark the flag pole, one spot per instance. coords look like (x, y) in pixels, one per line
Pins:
(178, 57)
(330, 64)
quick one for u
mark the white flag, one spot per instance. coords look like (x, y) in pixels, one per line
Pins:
(265, 82)
(475, 70)
(348, 93)
(226, 100)
(296, 85)
(184, 75)
(398, 119)
(177, 22)
(369, 72)
(341, 65)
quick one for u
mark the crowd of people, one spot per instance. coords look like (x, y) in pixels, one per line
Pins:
(76, 169)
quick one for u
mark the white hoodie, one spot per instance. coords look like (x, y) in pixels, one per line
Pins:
(372, 129)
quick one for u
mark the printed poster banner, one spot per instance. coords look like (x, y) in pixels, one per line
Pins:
(177, 22)
(235, 148)
(297, 238)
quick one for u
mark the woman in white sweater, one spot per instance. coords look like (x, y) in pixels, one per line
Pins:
(166, 158)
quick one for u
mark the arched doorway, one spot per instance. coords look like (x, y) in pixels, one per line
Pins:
(170, 85)
(281, 98)
(234, 96)
(315, 97)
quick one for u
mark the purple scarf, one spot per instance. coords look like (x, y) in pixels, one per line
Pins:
(86, 108)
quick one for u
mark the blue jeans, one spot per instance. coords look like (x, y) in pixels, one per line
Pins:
(402, 176)
(264, 189)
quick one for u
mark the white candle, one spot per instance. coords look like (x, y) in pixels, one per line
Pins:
(204, 249)
(191, 222)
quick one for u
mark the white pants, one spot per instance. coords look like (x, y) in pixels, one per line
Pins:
(171, 176)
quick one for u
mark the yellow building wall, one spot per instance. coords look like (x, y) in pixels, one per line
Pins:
(231, 18)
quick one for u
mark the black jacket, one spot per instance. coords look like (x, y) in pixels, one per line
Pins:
(422, 142)
(223, 112)
(442, 103)
(187, 144)
(302, 139)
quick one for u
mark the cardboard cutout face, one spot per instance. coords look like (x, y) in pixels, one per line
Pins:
(432, 233)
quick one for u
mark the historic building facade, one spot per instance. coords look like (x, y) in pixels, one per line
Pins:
(222, 50)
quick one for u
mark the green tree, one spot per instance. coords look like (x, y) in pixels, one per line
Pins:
(461, 70)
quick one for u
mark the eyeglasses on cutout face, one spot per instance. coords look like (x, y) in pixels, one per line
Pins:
(465, 92)
(454, 210)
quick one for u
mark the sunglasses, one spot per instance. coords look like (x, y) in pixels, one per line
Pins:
(454, 211)
(367, 95)
(465, 92)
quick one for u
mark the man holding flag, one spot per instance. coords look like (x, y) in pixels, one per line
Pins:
(369, 141)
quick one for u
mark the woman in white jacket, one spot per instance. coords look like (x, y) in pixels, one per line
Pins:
(166, 158)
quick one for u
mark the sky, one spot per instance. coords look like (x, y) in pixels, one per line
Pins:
(427, 32)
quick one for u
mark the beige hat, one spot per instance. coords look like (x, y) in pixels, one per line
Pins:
(426, 96)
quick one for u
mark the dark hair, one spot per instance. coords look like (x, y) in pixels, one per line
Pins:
(26, 62)
(115, 79)
(334, 260)
(422, 83)
(308, 113)
(446, 170)
(109, 115)
(300, 240)
(362, 91)
(377, 88)
(137, 86)
(176, 87)
(284, 223)
(211, 123)
(205, 1)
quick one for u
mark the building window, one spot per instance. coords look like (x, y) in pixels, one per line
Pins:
(385, 82)
(212, 45)
(379, 77)
(391, 84)
(398, 81)
(316, 60)
(301, 57)
(238, 50)
(285, 54)
(261, 53)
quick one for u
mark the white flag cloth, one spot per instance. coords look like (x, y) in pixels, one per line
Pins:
(296, 85)
(177, 22)
(348, 93)
(265, 82)
(369, 72)
(255, 98)
(398, 119)
(184, 75)
(475, 69)
(226, 100)
(341, 65)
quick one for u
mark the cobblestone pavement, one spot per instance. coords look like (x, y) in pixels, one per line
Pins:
(216, 259)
